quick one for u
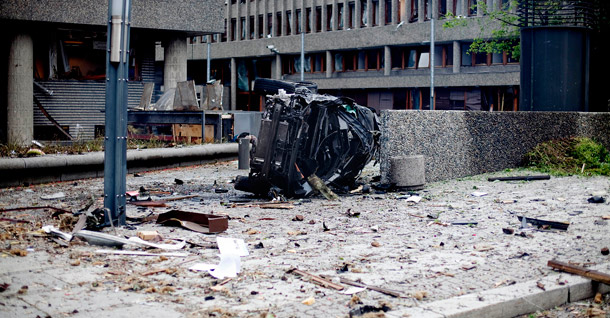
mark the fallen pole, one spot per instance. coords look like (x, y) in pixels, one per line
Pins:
(581, 271)
(521, 178)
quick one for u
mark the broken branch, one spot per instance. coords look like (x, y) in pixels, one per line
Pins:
(317, 279)
(580, 271)
(375, 288)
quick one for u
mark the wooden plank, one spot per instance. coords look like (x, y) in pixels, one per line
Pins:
(580, 271)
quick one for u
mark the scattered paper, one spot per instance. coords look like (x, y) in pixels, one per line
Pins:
(414, 198)
(53, 230)
(140, 253)
(227, 245)
(230, 251)
(172, 247)
(54, 196)
(479, 193)
(353, 290)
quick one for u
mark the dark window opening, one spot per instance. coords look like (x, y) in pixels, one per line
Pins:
(261, 26)
(233, 27)
(288, 22)
(388, 12)
(318, 19)
(351, 15)
(251, 27)
(242, 26)
(340, 16)
(308, 20)
(414, 9)
(269, 24)
(278, 24)
(298, 19)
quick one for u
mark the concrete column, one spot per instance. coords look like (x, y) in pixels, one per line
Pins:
(480, 12)
(238, 22)
(381, 13)
(464, 5)
(434, 8)
(358, 14)
(345, 15)
(233, 84)
(265, 22)
(249, 28)
(421, 10)
(324, 15)
(278, 66)
(20, 89)
(335, 15)
(449, 6)
(387, 60)
(457, 56)
(369, 13)
(329, 64)
(174, 69)
(395, 12)
(405, 11)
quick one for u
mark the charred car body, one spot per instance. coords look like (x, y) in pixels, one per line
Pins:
(304, 134)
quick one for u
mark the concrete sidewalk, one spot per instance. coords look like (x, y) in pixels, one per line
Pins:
(53, 168)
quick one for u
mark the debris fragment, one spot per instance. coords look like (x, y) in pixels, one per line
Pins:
(178, 181)
(542, 223)
(605, 251)
(23, 290)
(319, 185)
(540, 285)
(18, 252)
(316, 279)
(375, 244)
(309, 301)
(54, 196)
(363, 310)
(520, 178)
(386, 291)
(596, 199)
(149, 235)
(198, 222)
(298, 217)
(478, 194)
(419, 295)
(581, 271)
(598, 298)
(140, 253)
(4, 287)
(508, 231)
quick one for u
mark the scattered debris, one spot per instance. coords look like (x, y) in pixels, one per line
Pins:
(363, 310)
(178, 181)
(478, 194)
(149, 235)
(596, 199)
(520, 178)
(414, 199)
(375, 244)
(309, 301)
(316, 279)
(464, 222)
(581, 271)
(540, 285)
(351, 214)
(606, 217)
(198, 222)
(54, 196)
(317, 184)
(545, 224)
(23, 290)
(149, 204)
(298, 217)
(140, 253)
(605, 251)
(508, 231)
(375, 288)
(419, 295)
(231, 249)
(54, 231)
(4, 287)
(598, 298)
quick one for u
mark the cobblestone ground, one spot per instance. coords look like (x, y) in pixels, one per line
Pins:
(380, 239)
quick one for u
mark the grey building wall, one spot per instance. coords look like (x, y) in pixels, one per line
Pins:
(461, 143)
(196, 16)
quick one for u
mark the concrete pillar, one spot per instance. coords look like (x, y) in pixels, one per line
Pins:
(405, 11)
(329, 64)
(381, 13)
(421, 10)
(358, 14)
(233, 84)
(449, 6)
(480, 11)
(174, 69)
(395, 12)
(278, 66)
(324, 14)
(20, 89)
(335, 15)
(387, 60)
(265, 23)
(369, 13)
(457, 56)
(434, 8)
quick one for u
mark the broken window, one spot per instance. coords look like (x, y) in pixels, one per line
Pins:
(427, 11)
(472, 7)
(318, 19)
(414, 10)
(351, 15)
(261, 27)
(388, 12)
(223, 38)
(308, 20)
(242, 27)
(442, 8)
(329, 17)
(480, 59)
(412, 61)
(288, 22)
(361, 60)
(318, 63)
(278, 24)
(298, 19)
(339, 62)
(233, 27)
(307, 64)
(252, 27)
(340, 15)
(439, 60)
(375, 12)
(269, 25)
(397, 57)
(364, 13)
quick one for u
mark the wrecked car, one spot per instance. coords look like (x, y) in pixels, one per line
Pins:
(303, 135)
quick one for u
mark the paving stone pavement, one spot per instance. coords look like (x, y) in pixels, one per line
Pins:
(412, 248)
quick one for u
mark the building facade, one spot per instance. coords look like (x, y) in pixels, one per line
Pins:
(374, 51)
(54, 59)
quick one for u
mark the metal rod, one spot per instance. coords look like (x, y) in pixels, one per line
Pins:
(208, 61)
(431, 61)
(302, 55)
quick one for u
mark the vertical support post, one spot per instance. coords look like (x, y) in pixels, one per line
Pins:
(115, 151)
(243, 154)
(431, 61)
(302, 56)
(208, 61)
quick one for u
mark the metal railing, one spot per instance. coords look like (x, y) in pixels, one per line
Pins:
(581, 13)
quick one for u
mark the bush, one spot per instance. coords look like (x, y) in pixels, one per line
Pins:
(569, 156)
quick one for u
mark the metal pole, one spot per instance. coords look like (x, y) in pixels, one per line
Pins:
(431, 61)
(208, 61)
(243, 153)
(115, 150)
(302, 55)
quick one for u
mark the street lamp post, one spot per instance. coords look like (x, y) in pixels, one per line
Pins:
(302, 55)
(115, 149)
(431, 61)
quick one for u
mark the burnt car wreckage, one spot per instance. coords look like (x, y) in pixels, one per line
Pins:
(303, 135)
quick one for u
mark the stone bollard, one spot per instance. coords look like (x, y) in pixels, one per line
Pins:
(408, 172)
(243, 153)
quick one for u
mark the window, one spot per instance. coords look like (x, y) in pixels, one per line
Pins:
(375, 12)
(427, 11)
(224, 34)
(414, 10)
(278, 24)
(505, 5)
(329, 17)
(251, 27)
(242, 27)
(466, 58)
(308, 20)
(298, 21)
(261, 27)
(340, 15)
(364, 13)
(269, 24)
(288, 22)
(318, 19)
(442, 8)
(472, 7)
(339, 63)
(388, 12)
(351, 15)
(233, 27)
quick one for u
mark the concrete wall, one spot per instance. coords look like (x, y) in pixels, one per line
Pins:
(198, 16)
(458, 144)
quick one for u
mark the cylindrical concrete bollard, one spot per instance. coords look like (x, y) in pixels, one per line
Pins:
(408, 172)
(243, 153)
